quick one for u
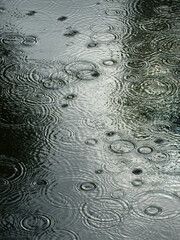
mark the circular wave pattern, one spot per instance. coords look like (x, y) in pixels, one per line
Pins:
(11, 170)
(4, 186)
(158, 205)
(83, 70)
(104, 212)
(7, 221)
(57, 235)
(122, 146)
(152, 88)
(35, 223)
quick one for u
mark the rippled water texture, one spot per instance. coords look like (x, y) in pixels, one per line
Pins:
(89, 120)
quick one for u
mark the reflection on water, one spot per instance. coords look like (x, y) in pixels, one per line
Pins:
(89, 120)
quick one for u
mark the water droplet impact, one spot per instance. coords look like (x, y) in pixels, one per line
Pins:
(153, 210)
(65, 105)
(110, 134)
(100, 171)
(30, 41)
(88, 186)
(109, 62)
(157, 204)
(71, 33)
(91, 142)
(159, 140)
(35, 222)
(136, 64)
(92, 45)
(145, 150)
(122, 146)
(137, 171)
(31, 13)
(70, 96)
(63, 18)
(137, 182)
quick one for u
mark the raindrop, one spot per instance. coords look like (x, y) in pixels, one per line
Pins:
(122, 146)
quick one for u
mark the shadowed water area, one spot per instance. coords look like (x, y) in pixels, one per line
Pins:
(89, 120)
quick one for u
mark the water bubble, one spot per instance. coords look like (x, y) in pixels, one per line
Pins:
(137, 171)
(91, 141)
(70, 96)
(137, 182)
(88, 74)
(92, 45)
(152, 210)
(100, 171)
(87, 186)
(12, 39)
(122, 146)
(110, 134)
(109, 62)
(30, 41)
(145, 150)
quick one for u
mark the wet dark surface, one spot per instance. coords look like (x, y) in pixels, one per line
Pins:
(89, 120)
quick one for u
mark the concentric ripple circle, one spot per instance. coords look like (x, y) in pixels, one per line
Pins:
(152, 88)
(104, 212)
(157, 204)
(35, 222)
(57, 235)
(83, 70)
(11, 169)
(122, 146)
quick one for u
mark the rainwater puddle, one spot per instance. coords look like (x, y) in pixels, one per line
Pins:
(89, 120)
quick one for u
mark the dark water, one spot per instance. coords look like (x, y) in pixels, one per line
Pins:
(89, 120)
